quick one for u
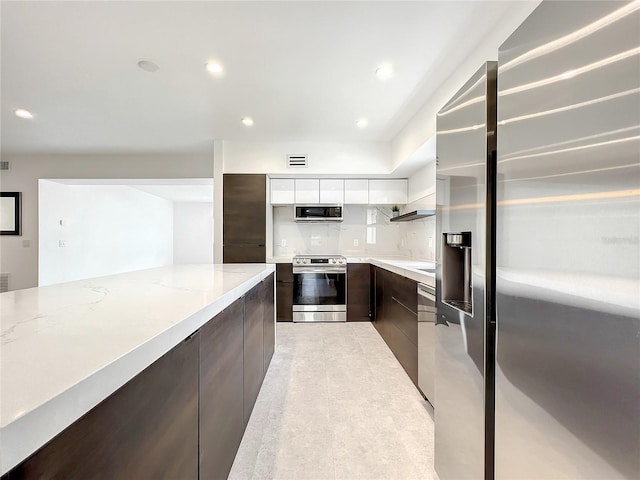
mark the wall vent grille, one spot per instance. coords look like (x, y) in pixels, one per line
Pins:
(4, 166)
(297, 161)
(4, 282)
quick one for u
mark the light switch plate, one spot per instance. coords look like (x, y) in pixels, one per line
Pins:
(62, 243)
(355, 242)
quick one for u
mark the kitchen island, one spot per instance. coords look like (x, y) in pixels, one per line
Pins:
(66, 348)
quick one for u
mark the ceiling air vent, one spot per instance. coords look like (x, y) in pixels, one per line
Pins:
(4, 282)
(297, 160)
(4, 166)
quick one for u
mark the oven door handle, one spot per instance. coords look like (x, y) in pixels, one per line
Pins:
(319, 270)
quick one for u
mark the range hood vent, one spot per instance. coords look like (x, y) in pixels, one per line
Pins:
(415, 215)
(4, 166)
(297, 161)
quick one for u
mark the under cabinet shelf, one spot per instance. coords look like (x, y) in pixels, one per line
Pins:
(415, 215)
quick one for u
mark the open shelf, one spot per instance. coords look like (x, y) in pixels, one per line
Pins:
(415, 215)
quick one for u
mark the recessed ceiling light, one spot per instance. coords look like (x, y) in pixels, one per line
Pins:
(247, 121)
(214, 68)
(22, 113)
(362, 123)
(384, 71)
(148, 66)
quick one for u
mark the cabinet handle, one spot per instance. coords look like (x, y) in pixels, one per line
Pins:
(191, 336)
(400, 303)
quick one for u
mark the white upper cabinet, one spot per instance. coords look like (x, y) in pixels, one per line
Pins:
(349, 191)
(331, 190)
(282, 191)
(307, 190)
(356, 191)
(388, 192)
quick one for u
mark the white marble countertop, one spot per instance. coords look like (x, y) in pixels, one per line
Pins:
(64, 348)
(406, 267)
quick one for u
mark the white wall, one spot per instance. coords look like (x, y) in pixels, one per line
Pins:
(324, 157)
(107, 229)
(369, 225)
(423, 124)
(192, 232)
(422, 183)
(21, 261)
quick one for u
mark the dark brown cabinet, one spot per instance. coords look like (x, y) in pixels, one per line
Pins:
(284, 292)
(221, 391)
(132, 433)
(269, 326)
(244, 202)
(396, 318)
(358, 286)
(253, 349)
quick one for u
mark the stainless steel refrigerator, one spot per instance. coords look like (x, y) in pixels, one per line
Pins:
(465, 148)
(538, 259)
(568, 253)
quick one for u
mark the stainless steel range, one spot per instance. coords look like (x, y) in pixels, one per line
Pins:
(319, 288)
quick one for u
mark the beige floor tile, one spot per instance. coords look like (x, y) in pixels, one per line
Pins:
(336, 404)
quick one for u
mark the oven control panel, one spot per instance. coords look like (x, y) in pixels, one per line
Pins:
(319, 260)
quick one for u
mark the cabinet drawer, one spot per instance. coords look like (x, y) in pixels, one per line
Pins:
(404, 319)
(405, 291)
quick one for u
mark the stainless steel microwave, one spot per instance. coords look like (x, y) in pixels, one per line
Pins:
(318, 213)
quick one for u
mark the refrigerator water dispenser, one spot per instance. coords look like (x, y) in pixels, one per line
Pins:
(457, 289)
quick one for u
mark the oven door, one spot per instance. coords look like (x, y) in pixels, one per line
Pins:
(319, 294)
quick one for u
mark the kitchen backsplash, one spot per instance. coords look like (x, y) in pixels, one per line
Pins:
(365, 231)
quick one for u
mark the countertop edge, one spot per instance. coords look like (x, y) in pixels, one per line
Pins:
(47, 420)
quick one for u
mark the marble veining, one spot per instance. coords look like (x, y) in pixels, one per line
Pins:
(66, 347)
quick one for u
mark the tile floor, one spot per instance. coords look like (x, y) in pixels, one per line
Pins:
(336, 404)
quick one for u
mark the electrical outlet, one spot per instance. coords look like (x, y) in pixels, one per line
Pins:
(26, 243)
(62, 243)
(430, 242)
(283, 242)
(355, 242)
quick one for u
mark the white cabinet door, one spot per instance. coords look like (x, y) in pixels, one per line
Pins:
(388, 192)
(307, 190)
(331, 190)
(356, 191)
(282, 191)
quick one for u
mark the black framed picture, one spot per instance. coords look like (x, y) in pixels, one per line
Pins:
(10, 213)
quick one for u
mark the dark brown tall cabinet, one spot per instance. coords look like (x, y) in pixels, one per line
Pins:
(244, 218)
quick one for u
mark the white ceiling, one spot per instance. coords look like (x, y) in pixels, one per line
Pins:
(302, 70)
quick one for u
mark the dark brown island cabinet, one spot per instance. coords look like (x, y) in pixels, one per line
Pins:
(244, 231)
(394, 306)
(183, 416)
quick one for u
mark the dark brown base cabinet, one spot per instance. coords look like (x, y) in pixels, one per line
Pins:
(395, 308)
(183, 416)
(284, 292)
(358, 292)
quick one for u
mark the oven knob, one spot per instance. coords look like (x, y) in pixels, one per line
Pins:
(297, 260)
(307, 260)
(342, 260)
(333, 260)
